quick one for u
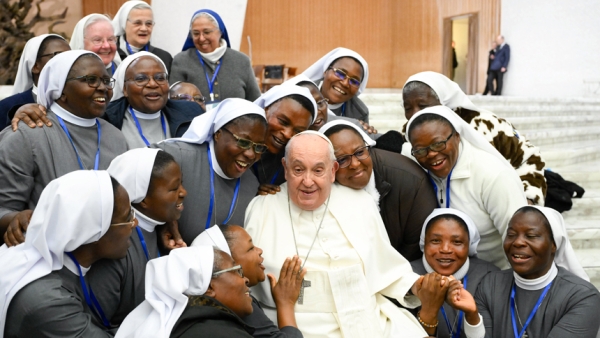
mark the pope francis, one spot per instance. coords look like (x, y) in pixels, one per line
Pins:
(340, 237)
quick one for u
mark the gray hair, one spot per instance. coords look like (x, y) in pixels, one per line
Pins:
(288, 146)
(218, 260)
(418, 85)
(140, 6)
(96, 18)
(205, 15)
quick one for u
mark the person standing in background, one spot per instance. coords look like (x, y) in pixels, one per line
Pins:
(454, 60)
(490, 59)
(498, 66)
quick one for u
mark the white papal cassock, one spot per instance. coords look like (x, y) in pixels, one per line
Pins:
(351, 266)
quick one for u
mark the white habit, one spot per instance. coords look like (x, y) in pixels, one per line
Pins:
(351, 266)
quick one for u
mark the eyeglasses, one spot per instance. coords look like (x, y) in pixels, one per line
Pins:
(186, 97)
(131, 217)
(438, 146)
(139, 23)
(238, 269)
(342, 75)
(142, 79)
(97, 41)
(322, 103)
(361, 153)
(94, 81)
(243, 143)
(206, 33)
(51, 55)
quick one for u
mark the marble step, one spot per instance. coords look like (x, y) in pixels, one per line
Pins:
(576, 154)
(590, 260)
(553, 136)
(557, 121)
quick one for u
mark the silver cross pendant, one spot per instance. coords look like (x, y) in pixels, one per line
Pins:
(305, 284)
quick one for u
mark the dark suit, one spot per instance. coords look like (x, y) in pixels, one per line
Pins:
(9, 106)
(500, 61)
(487, 87)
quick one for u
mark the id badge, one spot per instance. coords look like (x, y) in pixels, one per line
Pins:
(211, 105)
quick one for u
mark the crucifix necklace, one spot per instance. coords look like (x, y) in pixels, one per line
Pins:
(305, 283)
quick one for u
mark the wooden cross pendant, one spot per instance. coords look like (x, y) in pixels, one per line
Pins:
(305, 284)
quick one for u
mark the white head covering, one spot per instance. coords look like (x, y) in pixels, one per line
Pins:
(79, 34)
(368, 141)
(467, 133)
(73, 210)
(24, 79)
(120, 20)
(315, 72)
(54, 75)
(133, 170)
(281, 91)
(473, 232)
(299, 78)
(212, 236)
(119, 74)
(169, 281)
(565, 255)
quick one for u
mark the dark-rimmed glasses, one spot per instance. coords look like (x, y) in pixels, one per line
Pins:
(361, 153)
(342, 75)
(95, 80)
(243, 143)
(238, 269)
(322, 103)
(131, 217)
(138, 23)
(143, 79)
(186, 97)
(436, 147)
(51, 55)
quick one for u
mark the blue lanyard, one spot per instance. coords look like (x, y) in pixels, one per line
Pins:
(343, 109)
(143, 242)
(211, 83)
(97, 161)
(112, 67)
(130, 50)
(90, 299)
(212, 193)
(460, 317)
(273, 179)
(533, 312)
(435, 189)
(139, 126)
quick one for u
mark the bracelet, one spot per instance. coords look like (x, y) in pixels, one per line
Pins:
(429, 326)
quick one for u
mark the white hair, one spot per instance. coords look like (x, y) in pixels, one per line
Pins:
(93, 20)
(205, 15)
(288, 146)
(139, 6)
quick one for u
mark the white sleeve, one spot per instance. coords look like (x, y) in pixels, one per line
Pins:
(476, 331)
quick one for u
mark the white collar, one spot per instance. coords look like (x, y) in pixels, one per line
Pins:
(217, 54)
(372, 189)
(34, 90)
(145, 116)
(459, 274)
(76, 120)
(146, 222)
(69, 264)
(215, 163)
(537, 283)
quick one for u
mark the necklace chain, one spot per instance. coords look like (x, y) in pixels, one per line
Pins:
(316, 235)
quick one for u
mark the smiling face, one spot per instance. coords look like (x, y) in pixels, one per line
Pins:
(164, 201)
(230, 289)
(153, 96)
(418, 99)
(309, 171)
(205, 34)
(285, 119)
(358, 173)
(115, 242)
(439, 163)
(446, 246)
(78, 97)
(102, 31)
(339, 91)
(529, 245)
(137, 32)
(234, 160)
(245, 253)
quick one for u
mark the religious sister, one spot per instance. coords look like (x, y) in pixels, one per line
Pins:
(96, 34)
(82, 217)
(398, 186)
(467, 174)
(153, 180)
(37, 52)
(343, 75)
(449, 243)
(140, 106)
(75, 88)
(214, 155)
(133, 26)
(545, 294)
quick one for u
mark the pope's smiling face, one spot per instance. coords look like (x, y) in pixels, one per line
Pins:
(309, 171)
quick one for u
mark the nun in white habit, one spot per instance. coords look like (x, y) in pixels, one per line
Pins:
(43, 289)
(214, 155)
(332, 73)
(431, 89)
(96, 34)
(468, 175)
(78, 139)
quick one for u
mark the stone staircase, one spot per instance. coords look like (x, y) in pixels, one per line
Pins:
(568, 134)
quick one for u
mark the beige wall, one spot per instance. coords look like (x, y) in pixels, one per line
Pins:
(56, 7)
